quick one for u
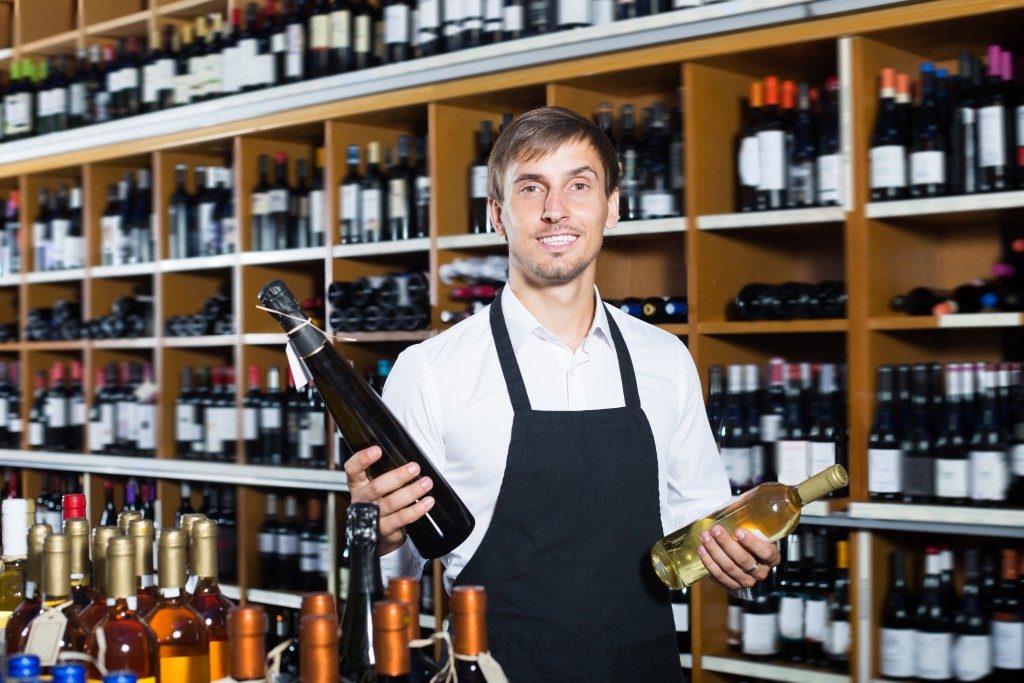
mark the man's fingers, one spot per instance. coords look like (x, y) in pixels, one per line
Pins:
(764, 551)
(355, 467)
(405, 496)
(405, 516)
(716, 572)
(729, 555)
(389, 482)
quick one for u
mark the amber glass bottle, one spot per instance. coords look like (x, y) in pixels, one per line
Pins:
(207, 598)
(247, 627)
(17, 630)
(183, 640)
(141, 531)
(128, 642)
(469, 627)
(14, 558)
(97, 607)
(56, 587)
(77, 531)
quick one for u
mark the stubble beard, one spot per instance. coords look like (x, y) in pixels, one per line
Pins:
(558, 273)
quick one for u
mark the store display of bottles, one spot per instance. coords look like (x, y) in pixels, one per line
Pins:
(790, 301)
(390, 200)
(655, 309)
(10, 235)
(948, 434)
(60, 322)
(10, 405)
(205, 416)
(294, 553)
(480, 277)
(57, 238)
(788, 148)
(286, 217)
(650, 150)
(280, 426)
(202, 223)
(131, 317)
(398, 301)
(786, 430)
(801, 613)
(122, 415)
(57, 416)
(215, 318)
(126, 225)
(940, 635)
(139, 496)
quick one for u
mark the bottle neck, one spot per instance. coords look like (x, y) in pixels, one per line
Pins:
(364, 575)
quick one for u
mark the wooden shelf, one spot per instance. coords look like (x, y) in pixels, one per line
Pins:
(62, 43)
(10, 280)
(263, 597)
(136, 24)
(130, 270)
(251, 258)
(190, 8)
(265, 338)
(678, 329)
(198, 342)
(658, 226)
(381, 248)
(944, 322)
(140, 343)
(951, 209)
(70, 275)
(788, 673)
(381, 337)
(485, 241)
(76, 345)
(10, 347)
(774, 327)
(181, 265)
(767, 219)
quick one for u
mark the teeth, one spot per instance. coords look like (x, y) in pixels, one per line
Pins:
(559, 239)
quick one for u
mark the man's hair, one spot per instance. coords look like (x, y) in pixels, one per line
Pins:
(540, 132)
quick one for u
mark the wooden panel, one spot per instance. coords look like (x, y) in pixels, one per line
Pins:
(38, 20)
(654, 266)
(98, 11)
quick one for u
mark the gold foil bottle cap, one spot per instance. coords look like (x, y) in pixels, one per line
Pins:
(77, 531)
(406, 590)
(204, 549)
(842, 555)
(469, 612)
(823, 483)
(247, 626)
(390, 630)
(101, 535)
(34, 565)
(125, 519)
(56, 566)
(318, 605)
(120, 567)
(319, 652)
(142, 531)
(172, 558)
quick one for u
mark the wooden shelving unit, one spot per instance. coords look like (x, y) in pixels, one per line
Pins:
(710, 54)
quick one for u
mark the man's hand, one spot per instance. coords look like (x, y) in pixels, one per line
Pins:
(401, 502)
(737, 562)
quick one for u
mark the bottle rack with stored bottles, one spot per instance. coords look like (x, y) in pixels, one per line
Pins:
(709, 253)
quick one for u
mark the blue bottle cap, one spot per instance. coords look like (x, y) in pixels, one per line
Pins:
(22, 666)
(120, 677)
(989, 300)
(927, 67)
(383, 367)
(68, 673)
(942, 73)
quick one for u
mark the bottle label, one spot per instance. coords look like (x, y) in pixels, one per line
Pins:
(317, 222)
(791, 461)
(737, 465)
(260, 205)
(231, 70)
(3, 412)
(513, 18)
(801, 184)
(108, 423)
(1008, 644)
(295, 50)
(932, 655)
(317, 429)
(370, 206)
(286, 544)
(35, 433)
(1017, 459)
(267, 543)
(130, 78)
(656, 205)
(324, 557)
(182, 89)
(59, 101)
(193, 669)
(571, 12)
(320, 32)
(951, 477)
(791, 617)
(839, 638)
(363, 31)
(828, 179)
(145, 419)
(885, 470)
(988, 475)
(991, 137)
(759, 634)
(756, 452)
(823, 456)
(396, 24)
(478, 182)
(681, 616)
(350, 202)
(397, 193)
(341, 29)
(45, 635)
(734, 618)
(816, 619)
(249, 423)
(95, 436)
(888, 167)
(771, 156)
(928, 168)
(77, 99)
(270, 418)
(602, 12)
(769, 425)
(277, 201)
(972, 657)
(185, 421)
(897, 652)
(308, 564)
(56, 412)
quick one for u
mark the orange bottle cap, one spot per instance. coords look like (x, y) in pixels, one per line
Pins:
(318, 605)
(771, 91)
(756, 95)
(888, 79)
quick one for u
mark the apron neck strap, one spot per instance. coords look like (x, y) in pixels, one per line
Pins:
(514, 377)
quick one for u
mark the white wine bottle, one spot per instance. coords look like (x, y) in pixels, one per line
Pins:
(771, 511)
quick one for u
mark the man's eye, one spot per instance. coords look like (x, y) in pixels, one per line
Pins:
(580, 186)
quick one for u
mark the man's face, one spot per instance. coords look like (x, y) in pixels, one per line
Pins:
(554, 213)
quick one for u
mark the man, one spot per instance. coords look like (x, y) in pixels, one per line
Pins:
(576, 435)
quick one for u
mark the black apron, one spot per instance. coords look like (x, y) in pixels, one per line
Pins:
(571, 594)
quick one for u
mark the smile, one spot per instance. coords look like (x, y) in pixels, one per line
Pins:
(559, 240)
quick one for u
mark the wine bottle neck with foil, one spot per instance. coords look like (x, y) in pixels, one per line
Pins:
(286, 310)
(822, 483)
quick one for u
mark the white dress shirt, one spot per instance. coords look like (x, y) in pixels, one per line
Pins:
(450, 394)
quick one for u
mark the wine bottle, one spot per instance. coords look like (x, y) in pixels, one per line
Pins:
(772, 510)
(286, 546)
(406, 591)
(993, 105)
(16, 631)
(952, 471)
(918, 473)
(56, 589)
(817, 589)
(791, 601)
(828, 165)
(469, 626)
(207, 598)
(989, 477)
(793, 447)
(759, 639)
(142, 533)
(928, 147)
(800, 180)
(933, 636)
(771, 151)
(364, 420)
(1008, 622)
(393, 664)
(732, 436)
(365, 587)
(840, 613)
(319, 652)
(888, 153)
(897, 640)
(748, 162)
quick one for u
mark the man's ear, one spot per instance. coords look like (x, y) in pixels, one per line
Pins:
(613, 210)
(494, 208)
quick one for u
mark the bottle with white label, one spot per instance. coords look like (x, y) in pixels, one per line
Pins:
(732, 437)
(994, 109)
(1008, 622)
(972, 649)
(790, 592)
(372, 197)
(952, 465)
(286, 546)
(885, 452)
(928, 142)
(827, 434)
(828, 165)
(837, 646)
(933, 635)
(748, 163)
(897, 639)
(817, 589)
(479, 221)
(888, 148)
(987, 451)
(760, 624)
(792, 451)
(771, 150)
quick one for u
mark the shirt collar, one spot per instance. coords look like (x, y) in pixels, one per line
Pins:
(522, 324)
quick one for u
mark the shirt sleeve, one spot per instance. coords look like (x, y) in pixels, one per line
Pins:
(410, 394)
(697, 482)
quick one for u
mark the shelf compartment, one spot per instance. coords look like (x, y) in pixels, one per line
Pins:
(181, 470)
(900, 512)
(775, 326)
(70, 275)
(766, 219)
(770, 672)
(954, 209)
(283, 256)
(180, 265)
(265, 339)
(381, 248)
(470, 241)
(263, 597)
(939, 322)
(678, 329)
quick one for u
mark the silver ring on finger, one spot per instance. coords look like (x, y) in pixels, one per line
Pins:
(752, 569)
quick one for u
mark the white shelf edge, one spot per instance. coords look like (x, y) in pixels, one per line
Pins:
(10, 280)
(184, 470)
(657, 226)
(139, 343)
(263, 597)
(381, 248)
(123, 271)
(980, 320)
(941, 205)
(765, 219)
(69, 275)
(179, 265)
(903, 512)
(686, 660)
(817, 508)
(657, 29)
(258, 258)
(265, 338)
(470, 241)
(772, 672)
(207, 340)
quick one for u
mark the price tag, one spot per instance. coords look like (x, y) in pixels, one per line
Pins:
(44, 638)
(490, 668)
(300, 372)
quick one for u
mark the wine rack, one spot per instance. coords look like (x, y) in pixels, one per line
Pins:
(702, 59)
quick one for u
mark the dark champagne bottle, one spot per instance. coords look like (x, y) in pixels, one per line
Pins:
(364, 420)
(897, 657)
(365, 588)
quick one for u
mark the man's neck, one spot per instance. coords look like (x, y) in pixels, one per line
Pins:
(567, 309)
